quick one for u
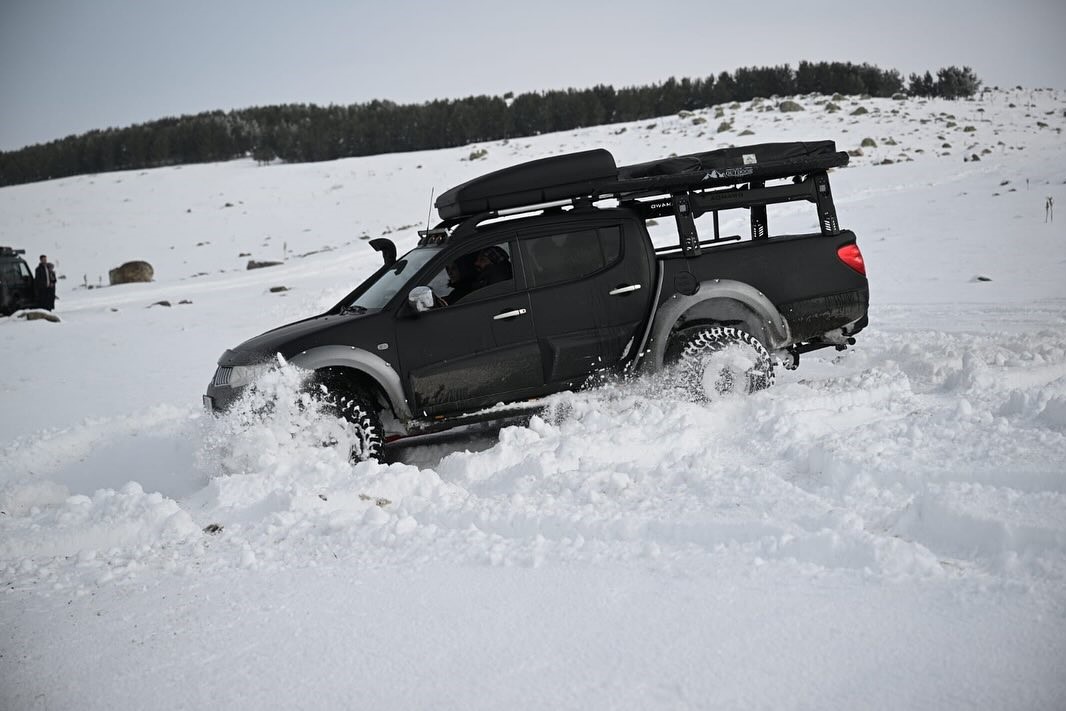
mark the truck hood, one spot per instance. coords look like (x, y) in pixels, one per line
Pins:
(356, 330)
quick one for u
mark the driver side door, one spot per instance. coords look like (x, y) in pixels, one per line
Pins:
(477, 346)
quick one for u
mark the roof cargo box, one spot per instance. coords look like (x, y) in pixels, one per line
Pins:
(538, 181)
(721, 160)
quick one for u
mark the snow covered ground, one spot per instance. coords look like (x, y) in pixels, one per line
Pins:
(884, 528)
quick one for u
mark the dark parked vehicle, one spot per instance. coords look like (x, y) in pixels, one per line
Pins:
(542, 274)
(16, 282)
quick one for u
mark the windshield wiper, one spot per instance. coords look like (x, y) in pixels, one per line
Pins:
(353, 309)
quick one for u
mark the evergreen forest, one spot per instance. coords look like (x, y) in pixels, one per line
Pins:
(307, 132)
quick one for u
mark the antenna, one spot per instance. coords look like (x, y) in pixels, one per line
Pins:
(429, 214)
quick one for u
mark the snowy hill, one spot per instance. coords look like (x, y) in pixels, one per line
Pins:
(884, 528)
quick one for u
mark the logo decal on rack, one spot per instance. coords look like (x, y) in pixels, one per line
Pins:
(729, 173)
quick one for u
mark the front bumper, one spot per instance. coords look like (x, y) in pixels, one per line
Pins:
(230, 381)
(223, 389)
(218, 398)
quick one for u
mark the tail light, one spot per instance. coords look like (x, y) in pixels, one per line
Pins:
(850, 255)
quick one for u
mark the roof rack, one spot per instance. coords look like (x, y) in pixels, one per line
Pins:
(594, 175)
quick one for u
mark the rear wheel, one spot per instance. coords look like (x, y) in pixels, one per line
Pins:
(720, 360)
(364, 434)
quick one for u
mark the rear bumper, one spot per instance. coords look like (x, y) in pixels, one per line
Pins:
(811, 318)
(859, 325)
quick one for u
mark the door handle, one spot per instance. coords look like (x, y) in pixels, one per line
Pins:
(623, 290)
(509, 314)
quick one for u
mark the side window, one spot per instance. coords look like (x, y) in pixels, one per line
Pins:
(570, 255)
(486, 271)
(611, 241)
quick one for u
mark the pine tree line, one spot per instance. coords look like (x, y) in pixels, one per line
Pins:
(306, 132)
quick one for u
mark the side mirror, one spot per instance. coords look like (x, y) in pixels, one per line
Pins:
(420, 298)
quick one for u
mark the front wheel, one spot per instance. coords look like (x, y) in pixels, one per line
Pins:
(364, 434)
(720, 360)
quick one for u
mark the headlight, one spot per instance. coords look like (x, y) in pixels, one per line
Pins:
(247, 374)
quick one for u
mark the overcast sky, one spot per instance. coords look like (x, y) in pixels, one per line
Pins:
(68, 66)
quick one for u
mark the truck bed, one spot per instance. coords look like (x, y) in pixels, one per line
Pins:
(816, 294)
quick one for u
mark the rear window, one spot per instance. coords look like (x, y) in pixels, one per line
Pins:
(13, 273)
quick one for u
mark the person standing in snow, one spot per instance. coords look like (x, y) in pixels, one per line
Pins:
(45, 281)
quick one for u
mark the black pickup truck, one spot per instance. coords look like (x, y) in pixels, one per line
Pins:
(542, 274)
(17, 290)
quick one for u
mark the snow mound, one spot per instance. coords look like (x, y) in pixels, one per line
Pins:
(81, 526)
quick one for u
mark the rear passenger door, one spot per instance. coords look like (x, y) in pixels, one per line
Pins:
(590, 288)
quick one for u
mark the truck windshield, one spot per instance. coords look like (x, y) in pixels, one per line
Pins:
(393, 279)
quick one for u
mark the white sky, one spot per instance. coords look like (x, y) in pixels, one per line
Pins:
(68, 66)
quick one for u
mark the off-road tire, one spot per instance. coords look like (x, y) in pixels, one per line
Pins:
(706, 370)
(364, 420)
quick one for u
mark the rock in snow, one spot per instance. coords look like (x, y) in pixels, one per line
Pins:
(131, 272)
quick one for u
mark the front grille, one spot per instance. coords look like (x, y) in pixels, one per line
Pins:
(222, 376)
